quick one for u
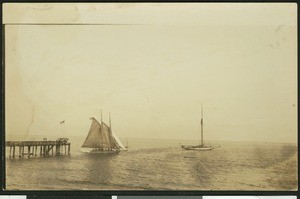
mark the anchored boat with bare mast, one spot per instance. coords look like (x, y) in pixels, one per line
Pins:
(201, 146)
(101, 138)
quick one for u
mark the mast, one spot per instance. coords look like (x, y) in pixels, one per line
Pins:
(201, 125)
(110, 131)
(109, 121)
(101, 122)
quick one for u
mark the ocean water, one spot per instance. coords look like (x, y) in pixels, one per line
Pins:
(160, 165)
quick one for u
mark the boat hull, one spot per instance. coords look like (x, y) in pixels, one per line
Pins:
(204, 149)
(103, 152)
(197, 148)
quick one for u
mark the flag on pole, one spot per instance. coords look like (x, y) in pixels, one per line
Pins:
(62, 122)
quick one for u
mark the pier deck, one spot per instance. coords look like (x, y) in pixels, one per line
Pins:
(41, 148)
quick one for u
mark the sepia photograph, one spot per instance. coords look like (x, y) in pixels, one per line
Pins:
(150, 96)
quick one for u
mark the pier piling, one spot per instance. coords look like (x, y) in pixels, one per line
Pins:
(14, 151)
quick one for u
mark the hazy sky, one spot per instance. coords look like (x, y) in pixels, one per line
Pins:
(154, 72)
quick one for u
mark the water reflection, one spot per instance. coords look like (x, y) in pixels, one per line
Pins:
(98, 168)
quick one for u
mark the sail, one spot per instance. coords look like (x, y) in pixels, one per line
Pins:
(118, 141)
(113, 142)
(106, 136)
(93, 139)
(101, 136)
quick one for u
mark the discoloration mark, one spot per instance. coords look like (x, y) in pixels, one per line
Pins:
(40, 7)
(279, 27)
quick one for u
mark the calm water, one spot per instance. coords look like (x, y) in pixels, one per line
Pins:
(161, 165)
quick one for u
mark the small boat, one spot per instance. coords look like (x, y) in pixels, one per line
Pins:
(101, 139)
(201, 146)
(198, 148)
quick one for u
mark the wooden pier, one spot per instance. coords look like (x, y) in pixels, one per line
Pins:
(41, 148)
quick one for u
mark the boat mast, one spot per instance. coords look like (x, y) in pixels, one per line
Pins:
(201, 125)
(110, 130)
(101, 141)
(109, 121)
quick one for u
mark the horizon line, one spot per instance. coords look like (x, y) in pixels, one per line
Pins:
(179, 139)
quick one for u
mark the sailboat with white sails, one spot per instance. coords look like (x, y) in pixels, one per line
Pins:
(201, 146)
(101, 139)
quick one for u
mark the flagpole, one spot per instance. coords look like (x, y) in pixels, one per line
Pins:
(201, 125)
(64, 129)
(63, 123)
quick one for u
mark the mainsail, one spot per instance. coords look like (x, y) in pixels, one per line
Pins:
(100, 136)
(93, 139)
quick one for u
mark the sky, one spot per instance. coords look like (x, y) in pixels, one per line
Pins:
(153, 67)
